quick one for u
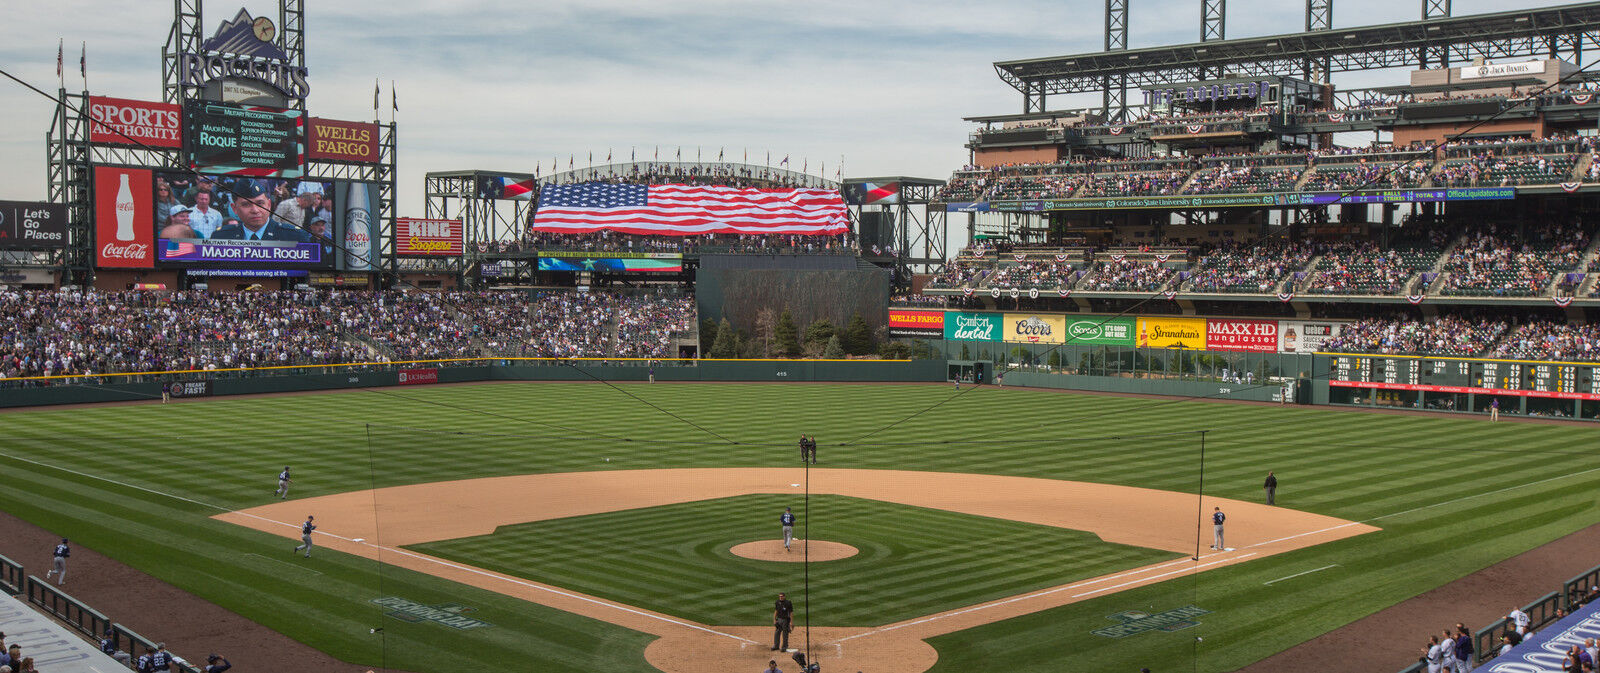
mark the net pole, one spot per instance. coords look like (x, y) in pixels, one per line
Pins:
(805, 562)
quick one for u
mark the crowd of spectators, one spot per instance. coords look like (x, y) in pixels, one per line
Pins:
(1366, 268)
(1243, 178)
(1444, 335)
(50, 333)
(1128, 275)
(1257, 267)
(1494, 261)
(1551, 340)
(1035, 273)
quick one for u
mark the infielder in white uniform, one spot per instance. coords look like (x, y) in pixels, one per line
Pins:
(1431, 654)
(283, 484)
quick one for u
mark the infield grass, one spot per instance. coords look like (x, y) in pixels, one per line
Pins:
(138, 483)
(913, 561)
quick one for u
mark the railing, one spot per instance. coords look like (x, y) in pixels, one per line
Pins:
(1541, 613)
(119, 633)
(54, 602)
(12, 576)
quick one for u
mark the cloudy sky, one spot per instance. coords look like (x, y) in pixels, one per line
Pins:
(500, 86)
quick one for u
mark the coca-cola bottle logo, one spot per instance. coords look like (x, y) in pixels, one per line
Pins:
(131, 251)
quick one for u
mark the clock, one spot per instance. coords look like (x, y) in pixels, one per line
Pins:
(264, 29)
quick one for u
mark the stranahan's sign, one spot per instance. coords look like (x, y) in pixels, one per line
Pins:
(242, 63)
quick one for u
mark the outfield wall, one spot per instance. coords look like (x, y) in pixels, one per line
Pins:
(84, 390)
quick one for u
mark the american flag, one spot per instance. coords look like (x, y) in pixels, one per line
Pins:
(683, 210)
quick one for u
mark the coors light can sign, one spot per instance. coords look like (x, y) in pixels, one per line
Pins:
(358, 229)
(123, 203)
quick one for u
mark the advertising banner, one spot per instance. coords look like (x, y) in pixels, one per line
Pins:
(32, 224)
(1172, 333)
(200, 388)
(355, 203)
(1100, 331)
(1255, 336)
(122, 206)
(417, 237)
(412, 377)
(973, 326)
(275, 252)
(907, 323)
(1522, 69)
(244, 140)
(1297, 336)
(334, 140)
(1035, 328)
(119, 121)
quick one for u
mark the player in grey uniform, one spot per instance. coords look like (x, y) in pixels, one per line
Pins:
(787, 519)
(59, 563)
(1430, 654)
(305, 535)
(1217, 517)
(283, 484)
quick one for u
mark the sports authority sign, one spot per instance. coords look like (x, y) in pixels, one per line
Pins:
(417, 237)
(1256, 336)
(31, 224)
(123, 207)
(929, 324)
(119, 121)
(333, 140)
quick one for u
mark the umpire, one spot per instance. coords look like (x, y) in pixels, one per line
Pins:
(782, 622)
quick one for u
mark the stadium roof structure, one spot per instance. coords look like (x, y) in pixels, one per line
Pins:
(1469, 85)
(902, 179)
(1540, 32)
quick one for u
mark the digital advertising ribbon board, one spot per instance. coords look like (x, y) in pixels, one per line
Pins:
(248, 140)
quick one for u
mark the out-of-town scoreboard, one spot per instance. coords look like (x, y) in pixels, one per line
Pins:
(1526, 378)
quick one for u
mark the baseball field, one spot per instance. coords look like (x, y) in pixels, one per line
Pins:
(582, 527)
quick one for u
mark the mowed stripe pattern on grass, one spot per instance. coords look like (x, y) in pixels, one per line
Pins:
(913, 561)
(1357, 466)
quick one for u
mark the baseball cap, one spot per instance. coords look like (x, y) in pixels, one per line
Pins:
(179, 210)
(309, 188)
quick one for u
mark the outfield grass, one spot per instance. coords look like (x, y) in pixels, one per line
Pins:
(914, 561)
(1452, 494)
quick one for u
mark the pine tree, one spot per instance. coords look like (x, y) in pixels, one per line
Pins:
(834, 351)
(858, 336)
(726, 344)
(785, 336)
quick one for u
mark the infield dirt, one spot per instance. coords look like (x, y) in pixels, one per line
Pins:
(1149, 518)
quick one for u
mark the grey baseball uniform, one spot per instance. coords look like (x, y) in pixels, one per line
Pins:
(305, 536)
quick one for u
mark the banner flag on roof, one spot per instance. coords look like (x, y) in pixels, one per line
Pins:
(683, 210)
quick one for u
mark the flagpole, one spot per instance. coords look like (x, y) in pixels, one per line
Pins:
(83, 66)
(394, 102)
(61, 51)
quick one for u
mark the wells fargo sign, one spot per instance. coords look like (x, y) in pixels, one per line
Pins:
(334, 140)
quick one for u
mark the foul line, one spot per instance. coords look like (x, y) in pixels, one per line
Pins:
(531, 585)
(1055, 590)
(1308, 572)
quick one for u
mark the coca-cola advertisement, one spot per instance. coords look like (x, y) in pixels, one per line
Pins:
(236, 222)
(122, 206)
(119, 121)
(1255, 336)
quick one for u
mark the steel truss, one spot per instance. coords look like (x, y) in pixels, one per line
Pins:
(1545, 32)
(484, 221)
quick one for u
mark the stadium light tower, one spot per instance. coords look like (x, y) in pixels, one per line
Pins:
(1319, 16)
(1440, 55)
(1213, 25)
(1114, 88)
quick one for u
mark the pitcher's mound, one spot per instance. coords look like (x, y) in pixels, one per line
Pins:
(772, 550)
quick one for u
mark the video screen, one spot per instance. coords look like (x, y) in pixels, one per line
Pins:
(240, 222)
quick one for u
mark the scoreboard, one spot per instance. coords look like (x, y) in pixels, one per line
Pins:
(1526, 378)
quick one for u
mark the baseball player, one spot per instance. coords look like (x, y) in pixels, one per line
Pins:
(283, 484)
(59, 563)
(805, 451)
(787, 519)
(1217, 517)
(1447, 652)
(305, 535)
(1430, 654)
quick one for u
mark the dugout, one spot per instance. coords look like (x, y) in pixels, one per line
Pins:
(970, 371)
